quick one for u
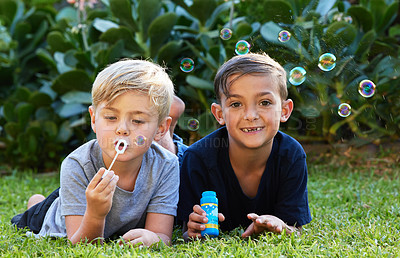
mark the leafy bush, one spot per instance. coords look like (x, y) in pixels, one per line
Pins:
(50, 57)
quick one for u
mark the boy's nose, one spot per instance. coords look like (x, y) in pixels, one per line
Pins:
(251, 114)
(122, 128)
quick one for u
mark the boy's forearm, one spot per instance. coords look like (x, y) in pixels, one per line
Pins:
(90, 229)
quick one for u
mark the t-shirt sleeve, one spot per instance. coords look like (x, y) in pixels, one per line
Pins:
(292, 202)
(165, 198)
(192, 184)
(73, 183)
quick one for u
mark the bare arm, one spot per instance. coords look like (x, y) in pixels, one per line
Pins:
(158, 227)
(99, 195)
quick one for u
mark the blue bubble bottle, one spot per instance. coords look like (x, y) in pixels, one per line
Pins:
(209, 203)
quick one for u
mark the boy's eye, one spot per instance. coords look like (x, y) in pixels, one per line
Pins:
(235, 104)
(110, 118)
(265, 103)
(136, 121)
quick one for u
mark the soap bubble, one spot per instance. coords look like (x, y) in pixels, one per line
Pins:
(140, 140)
(193, 124)
(366, 88)
(327, 62)
(187, 65)
(284, 36)
(297, 76)
(344, 110)
(225, 33)
(242, 47)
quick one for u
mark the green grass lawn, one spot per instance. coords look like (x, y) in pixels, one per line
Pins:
(356, 212)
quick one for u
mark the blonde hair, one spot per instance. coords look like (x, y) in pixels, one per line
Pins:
(249, 64)
(140, 75)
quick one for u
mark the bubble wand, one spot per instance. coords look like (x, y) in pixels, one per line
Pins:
(119, 151)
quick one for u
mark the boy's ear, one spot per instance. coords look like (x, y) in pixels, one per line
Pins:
(163, 128)
(216, 110)
(287, 108)
(92, 113)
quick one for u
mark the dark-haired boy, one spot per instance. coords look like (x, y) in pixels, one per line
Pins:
(258, 172)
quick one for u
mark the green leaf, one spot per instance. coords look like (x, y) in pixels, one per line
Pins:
(199, 83)
(270, 32)
(243, 29)
(71, 109)
(24, 112)
(45, 56)
(57, 42)
(65, 132)
(77, 97)
(123, 10)
(40, 99)
(160, 30)
(104, 25)
(36, 40)
(389, 16)
(44, 113)
(72, 80)
(278, 11)
(216, 14)
(340, 34)
(148, 10)
(361, 16)
(8, 10)
(22, 94)
(12, 129)
(202, 9)
(377, 8)
(9, 111)
(324, 6)
(365, 44)
(50, 128)
(207, 123)
(113, 35)
(169, 51)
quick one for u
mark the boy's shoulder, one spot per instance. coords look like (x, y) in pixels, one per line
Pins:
(156, 151)
(287, 146)
(211, 143)
(86, 152)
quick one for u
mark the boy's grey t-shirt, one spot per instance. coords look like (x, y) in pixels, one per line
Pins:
(156, 190)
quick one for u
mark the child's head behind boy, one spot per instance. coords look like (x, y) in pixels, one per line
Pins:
(252, 100)
(130, 99)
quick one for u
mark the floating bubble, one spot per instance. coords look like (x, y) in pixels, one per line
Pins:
(242, 47)
(366, 88)
(297, 76)
(140, 140)
(225, 33)
(187, 65)
(344, 110)
(193, 124)
(284, 36)
(327, 62)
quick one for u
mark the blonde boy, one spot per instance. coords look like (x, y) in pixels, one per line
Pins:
(258, 172)
(138, 198)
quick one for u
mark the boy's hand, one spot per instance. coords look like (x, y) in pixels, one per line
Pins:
(141, 236)
(99, 194)
(196, 218)
(264, 223)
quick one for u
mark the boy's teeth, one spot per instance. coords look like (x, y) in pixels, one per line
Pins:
(251, 130)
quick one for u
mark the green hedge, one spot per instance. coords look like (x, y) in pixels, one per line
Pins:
(50, 53)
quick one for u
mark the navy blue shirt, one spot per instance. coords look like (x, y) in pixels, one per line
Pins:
(282, 191)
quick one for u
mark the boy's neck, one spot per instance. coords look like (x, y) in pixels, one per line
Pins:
(249, 159)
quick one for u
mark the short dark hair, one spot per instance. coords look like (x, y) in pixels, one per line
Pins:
(249, 64)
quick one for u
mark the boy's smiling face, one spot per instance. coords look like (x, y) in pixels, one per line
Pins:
(130, 115)
(253, 111)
